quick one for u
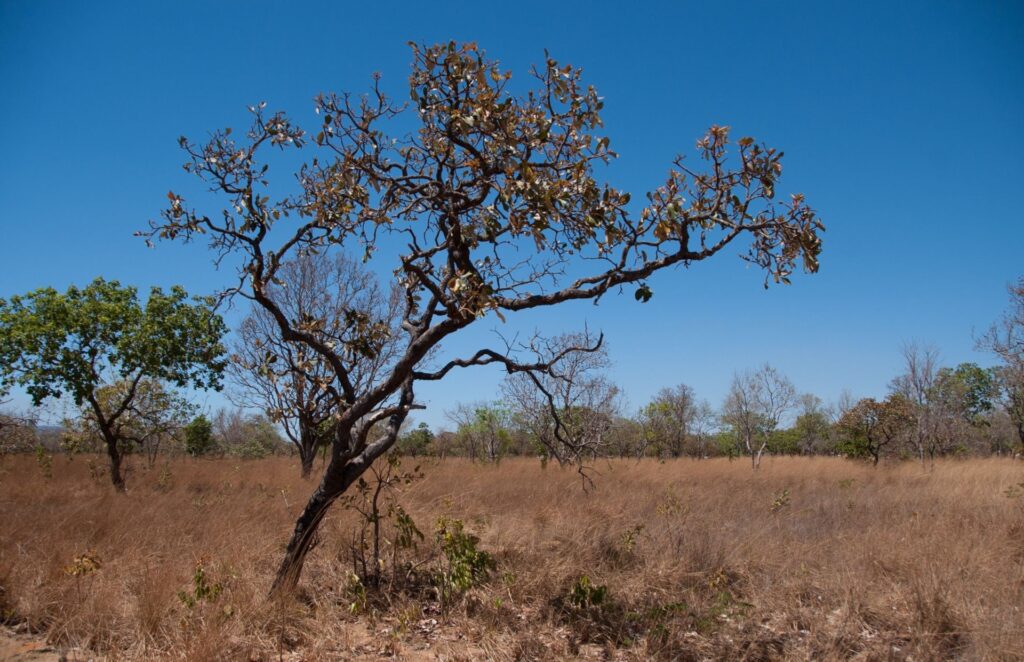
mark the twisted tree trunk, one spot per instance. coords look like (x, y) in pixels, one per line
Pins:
(337, 478)
(340, 474)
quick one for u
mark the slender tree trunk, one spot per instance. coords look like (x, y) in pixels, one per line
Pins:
(755, 456)
(375, 504)
(307, 453)
(113, 452)
(306, 458)
(115, 464)
(338, 477)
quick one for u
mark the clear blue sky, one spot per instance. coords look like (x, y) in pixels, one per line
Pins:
(902, 122)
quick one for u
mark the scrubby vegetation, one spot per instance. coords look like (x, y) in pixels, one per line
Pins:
(808, 558)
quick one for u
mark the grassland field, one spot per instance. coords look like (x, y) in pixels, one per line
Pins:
(807, 558)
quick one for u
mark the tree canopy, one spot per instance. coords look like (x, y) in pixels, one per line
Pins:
(100, 346)
(486, 204)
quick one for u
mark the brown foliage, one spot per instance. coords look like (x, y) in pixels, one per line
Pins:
(486, 206)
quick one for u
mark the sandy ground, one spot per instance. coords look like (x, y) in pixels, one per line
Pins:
(15, 647)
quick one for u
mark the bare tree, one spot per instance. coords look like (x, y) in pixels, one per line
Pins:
(485, 207)
(703, 424)
(844, 403)
(755, 405)
(17, 430)
(574, 400)
(917, 385)
(289, 380)
(1005, 339)
(483, 429)
(154, 413)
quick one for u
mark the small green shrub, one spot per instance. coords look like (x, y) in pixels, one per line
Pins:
(406, 532)
(629, 538)
(465, 565)
(356, 590)
(202, 589)
(45, 461)
(585, 594)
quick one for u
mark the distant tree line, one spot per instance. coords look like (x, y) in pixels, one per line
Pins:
(929, 411)
(228, 432)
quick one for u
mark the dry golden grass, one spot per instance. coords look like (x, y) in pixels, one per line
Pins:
(807, 559)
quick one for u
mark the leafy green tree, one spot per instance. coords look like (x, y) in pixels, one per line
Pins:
(960, 401)
(480, 197)
(79, 342)
(813, 426)
(969, 391)
(483, 429)
(784, 441)
(246, 435)
(417, 441)
(667, 419)
(199, 436)
(728, 442)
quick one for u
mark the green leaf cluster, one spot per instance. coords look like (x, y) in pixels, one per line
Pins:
(57, 344)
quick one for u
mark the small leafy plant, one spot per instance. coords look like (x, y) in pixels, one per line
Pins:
(780, 501)
(84, 564)
(629, 538)
(45, 461)
(465, 564)
(378, 509)
(356, 590)
(585, 594)
(203, 590)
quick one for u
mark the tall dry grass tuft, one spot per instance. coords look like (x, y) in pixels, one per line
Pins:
(810, 558)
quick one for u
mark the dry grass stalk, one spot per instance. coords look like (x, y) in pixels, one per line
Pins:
(815, 558)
